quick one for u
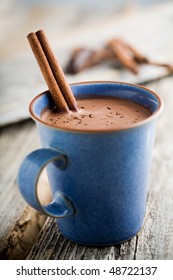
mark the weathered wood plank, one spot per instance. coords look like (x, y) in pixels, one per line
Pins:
(52, 245)
(15, 142)
(155, 240)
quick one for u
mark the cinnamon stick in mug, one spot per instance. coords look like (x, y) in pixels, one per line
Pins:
(52, 72)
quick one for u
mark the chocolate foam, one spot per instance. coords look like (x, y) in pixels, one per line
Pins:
(97, 114)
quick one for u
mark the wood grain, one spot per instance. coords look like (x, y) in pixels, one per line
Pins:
(15, 142)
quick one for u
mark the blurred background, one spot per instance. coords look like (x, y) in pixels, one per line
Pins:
(57, 17)
(70, 24)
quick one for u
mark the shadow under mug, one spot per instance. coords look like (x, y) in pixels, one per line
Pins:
(98, 179)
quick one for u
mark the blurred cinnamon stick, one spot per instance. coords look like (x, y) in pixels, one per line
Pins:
(115, 49)
(122, 55)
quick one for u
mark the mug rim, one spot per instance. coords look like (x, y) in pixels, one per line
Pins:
(106, 130)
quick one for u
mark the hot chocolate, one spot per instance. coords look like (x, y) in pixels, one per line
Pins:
(103, 113)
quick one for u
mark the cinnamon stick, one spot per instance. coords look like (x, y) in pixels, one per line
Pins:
(117, 47)
(57, 71)
(141, 59)
(169, 67)
(135, 54)
(40, 50)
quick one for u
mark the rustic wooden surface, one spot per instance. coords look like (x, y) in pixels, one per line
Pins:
(24, 233)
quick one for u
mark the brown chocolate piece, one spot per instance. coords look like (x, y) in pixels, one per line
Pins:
(83, 58)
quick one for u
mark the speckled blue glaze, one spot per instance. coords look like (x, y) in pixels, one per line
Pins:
(99, 180)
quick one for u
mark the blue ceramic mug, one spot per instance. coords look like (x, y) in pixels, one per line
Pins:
(99, 179)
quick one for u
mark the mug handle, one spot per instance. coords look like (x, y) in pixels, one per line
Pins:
(28, 176)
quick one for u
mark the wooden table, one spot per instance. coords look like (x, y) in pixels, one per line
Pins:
(27, 234)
